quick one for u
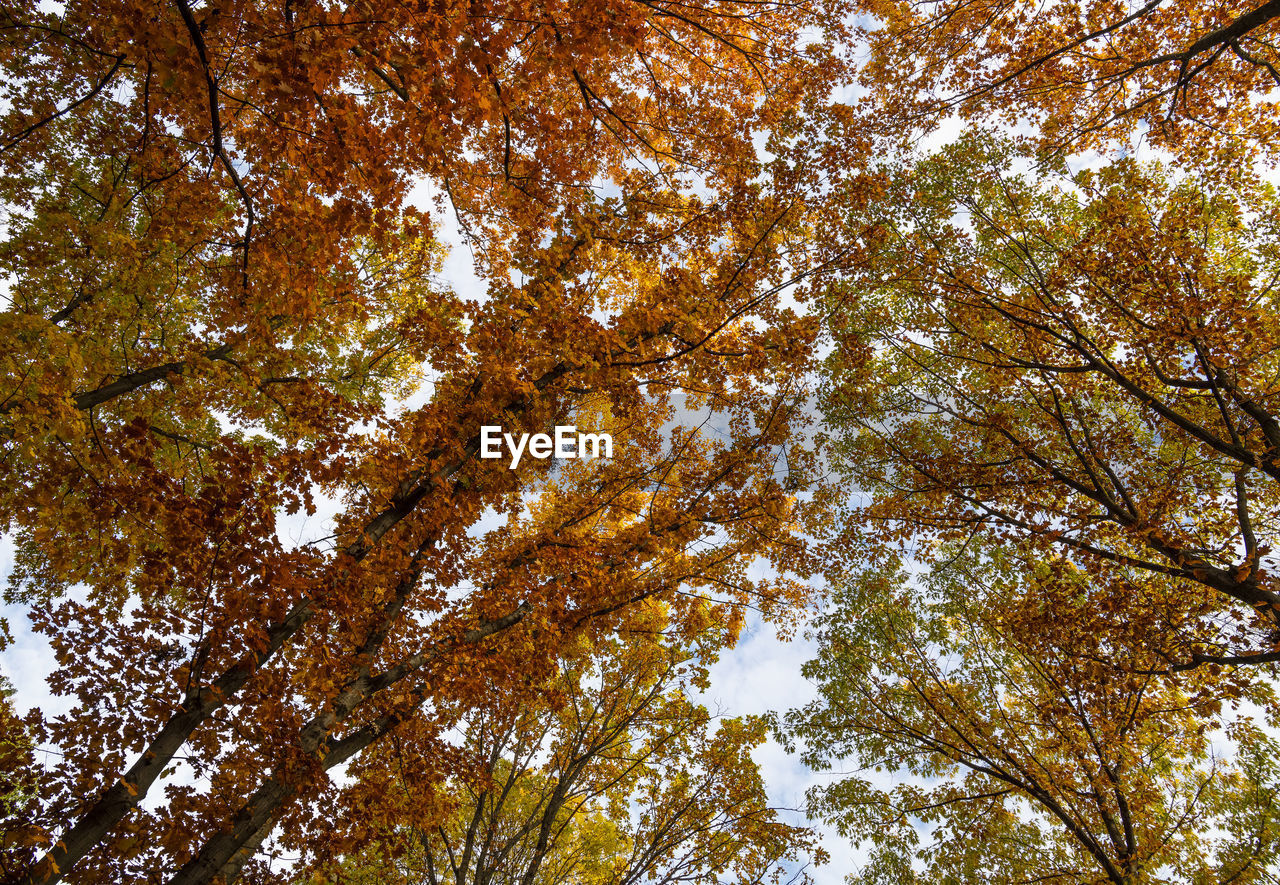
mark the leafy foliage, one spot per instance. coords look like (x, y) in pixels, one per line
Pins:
(626, 780)
(1054, 392)
(1188, 77)
(219, 287)
(1030, 762)
(1085, 365)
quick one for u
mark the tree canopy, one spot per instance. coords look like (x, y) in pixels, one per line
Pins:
(1022, 257)
(1034, 761)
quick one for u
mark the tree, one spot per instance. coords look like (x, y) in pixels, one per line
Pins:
(624, 781)
(217, 288)
(1084, 365)
(1030, 762)
(19, 779)
(1186, 76)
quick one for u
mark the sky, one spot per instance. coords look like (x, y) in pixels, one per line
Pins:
(761, 675)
